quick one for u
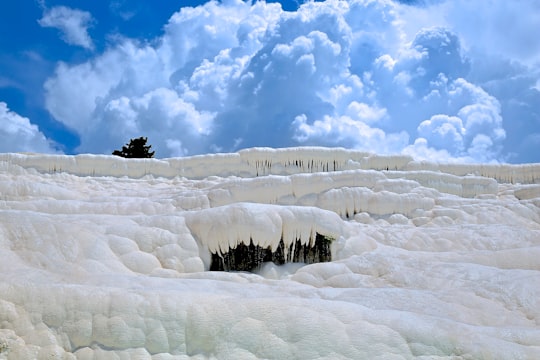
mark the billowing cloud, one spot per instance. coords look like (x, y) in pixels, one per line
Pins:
(504, 29)
(17, 134)
(72, 23)
(229, 75)
(504, 58)
(444, 132)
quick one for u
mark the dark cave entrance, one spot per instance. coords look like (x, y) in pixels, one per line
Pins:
(251, 257)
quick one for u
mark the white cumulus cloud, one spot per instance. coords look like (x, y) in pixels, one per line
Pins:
(507, 29)
(444, 132)
(335, 73)
(17, 134)
(73, 24)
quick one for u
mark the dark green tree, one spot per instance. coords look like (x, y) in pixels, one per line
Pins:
(136, 148)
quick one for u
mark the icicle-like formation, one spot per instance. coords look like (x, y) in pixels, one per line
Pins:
(350, 201)
(262, 161)
(464, 186)
(222, 228)
(301, 159)
(388, 162)
(90, 165)
(107, 165)
(289, 190)
(253, 257)
(268, 189)
(503, 173)
(351, 192)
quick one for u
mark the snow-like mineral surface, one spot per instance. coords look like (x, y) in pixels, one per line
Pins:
(107, 258)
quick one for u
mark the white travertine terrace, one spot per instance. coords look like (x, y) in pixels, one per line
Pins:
(103, 257)
(264, 225)
(266, 161)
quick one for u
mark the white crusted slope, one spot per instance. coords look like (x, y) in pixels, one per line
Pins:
(108, 258)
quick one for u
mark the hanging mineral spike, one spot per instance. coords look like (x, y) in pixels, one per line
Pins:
(251, 257)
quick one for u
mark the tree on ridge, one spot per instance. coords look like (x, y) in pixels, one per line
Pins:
(136, 148)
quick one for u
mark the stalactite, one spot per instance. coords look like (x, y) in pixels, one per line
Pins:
(251, 257)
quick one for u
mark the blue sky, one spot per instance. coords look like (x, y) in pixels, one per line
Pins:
(444, 80)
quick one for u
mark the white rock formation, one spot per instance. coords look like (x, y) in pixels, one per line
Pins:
(103, 257)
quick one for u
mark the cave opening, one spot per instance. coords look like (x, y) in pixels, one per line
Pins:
(251, 257)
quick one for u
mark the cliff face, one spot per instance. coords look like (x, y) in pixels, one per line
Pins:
(251, 257)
